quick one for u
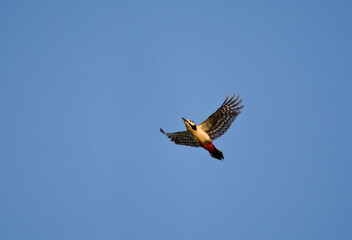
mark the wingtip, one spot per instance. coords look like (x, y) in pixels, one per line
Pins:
(162, 131)
(233, 95)
(225, 99)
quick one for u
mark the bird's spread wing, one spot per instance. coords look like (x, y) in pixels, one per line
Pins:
(220, 121)
(181, 138)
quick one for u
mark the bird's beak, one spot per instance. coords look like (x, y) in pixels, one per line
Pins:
(183, 119)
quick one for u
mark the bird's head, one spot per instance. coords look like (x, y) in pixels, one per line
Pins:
(190, 125)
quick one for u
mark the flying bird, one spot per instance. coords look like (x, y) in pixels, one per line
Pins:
(214, 126)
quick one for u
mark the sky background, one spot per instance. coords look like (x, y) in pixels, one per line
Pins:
(86, 85)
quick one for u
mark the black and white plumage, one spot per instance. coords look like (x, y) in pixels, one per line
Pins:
(181, 138)
(220, 121)
(213, 127)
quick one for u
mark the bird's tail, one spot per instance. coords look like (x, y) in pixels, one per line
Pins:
(216, 153)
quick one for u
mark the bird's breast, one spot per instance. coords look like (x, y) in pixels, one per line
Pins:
(201, 137)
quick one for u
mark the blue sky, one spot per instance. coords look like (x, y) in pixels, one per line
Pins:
(86, 85)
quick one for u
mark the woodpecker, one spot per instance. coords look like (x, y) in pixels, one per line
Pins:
(214, 126)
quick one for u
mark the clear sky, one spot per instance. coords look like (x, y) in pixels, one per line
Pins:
(86, 85)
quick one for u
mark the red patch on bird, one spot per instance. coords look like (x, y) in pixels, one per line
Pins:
(209, 147)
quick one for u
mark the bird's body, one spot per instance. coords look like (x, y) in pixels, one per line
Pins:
(198, 134)
(213, 127)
